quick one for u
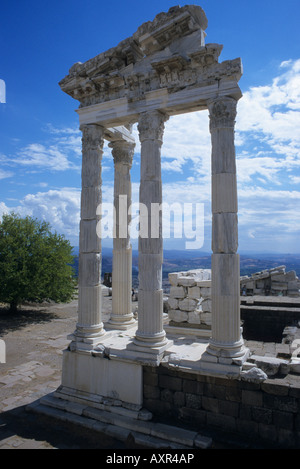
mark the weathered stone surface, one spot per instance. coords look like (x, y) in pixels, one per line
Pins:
(177, 315)
(174, 278)
(255, 375)
(205, 292)
(274, 281)
(270, 365)
(194, 317)
(173, 303)
(177, 292)
(194, 292)
(224, 233)
(206, 305)
(187, 304)
(163, 55)
(188, 299)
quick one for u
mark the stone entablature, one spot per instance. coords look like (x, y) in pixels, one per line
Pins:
(165, 62)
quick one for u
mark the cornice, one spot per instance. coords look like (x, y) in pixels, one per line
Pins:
(166, 58)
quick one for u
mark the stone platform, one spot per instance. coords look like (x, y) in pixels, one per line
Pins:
(28, 377)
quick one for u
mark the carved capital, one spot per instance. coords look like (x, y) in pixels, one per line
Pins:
(92, 136)
(222, 113)
(151, 125)
(122, 152)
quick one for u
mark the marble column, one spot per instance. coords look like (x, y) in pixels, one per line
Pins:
(89, 329)
(122, 316)
(150, 333)
(226, 341)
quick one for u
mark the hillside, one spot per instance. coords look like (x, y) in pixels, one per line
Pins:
(175, 261)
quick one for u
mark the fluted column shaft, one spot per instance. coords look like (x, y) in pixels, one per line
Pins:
(122, 316)
(226, 329)
(150, 331)
(89, 328)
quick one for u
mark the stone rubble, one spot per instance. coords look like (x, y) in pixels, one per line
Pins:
(274, 281)
(189, 301)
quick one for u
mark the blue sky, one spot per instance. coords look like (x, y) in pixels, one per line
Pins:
(40, 144)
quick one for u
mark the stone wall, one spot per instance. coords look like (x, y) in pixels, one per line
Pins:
(266, 322)
(267, 413)
(274, 281)
(189, 302)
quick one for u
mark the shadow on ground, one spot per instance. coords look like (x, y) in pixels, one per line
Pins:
(52, 433)
(23, 317)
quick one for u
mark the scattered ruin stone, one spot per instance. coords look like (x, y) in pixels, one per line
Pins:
(189, 301)
(274, 281)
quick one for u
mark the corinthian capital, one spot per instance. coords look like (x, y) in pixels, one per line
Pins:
(222, 113)
(122, 151)
(92, 136)
(151, 125)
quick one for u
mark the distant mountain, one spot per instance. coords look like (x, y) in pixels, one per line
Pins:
(175, 261)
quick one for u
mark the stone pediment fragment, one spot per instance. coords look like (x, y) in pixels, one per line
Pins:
(166, 27)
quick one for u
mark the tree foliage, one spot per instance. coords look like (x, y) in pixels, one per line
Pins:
(35, 264)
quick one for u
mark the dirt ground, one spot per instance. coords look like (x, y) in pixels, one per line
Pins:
(35, 338)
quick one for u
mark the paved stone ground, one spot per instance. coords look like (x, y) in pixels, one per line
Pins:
(35, 339)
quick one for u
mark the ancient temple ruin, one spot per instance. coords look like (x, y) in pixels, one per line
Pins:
(164, 69)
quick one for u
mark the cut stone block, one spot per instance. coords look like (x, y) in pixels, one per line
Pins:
(194, 318)
(206, 305)
(173, 303)
(194, 292)
(174, 278)
(178, 316)
(205, 292)
(187, 304)
(177, 292)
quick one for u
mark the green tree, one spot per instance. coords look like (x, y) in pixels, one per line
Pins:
(35, 264)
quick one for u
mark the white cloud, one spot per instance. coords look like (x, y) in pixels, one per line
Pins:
(60, 153)
(61, 208)
(186, 140)
(39, 156)
(3, 209)
(272, 113)
(5, 174)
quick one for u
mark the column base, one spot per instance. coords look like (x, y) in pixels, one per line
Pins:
(150, 341)
(235, 353)
(150, 349)
(121, 322)
(87, 338)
